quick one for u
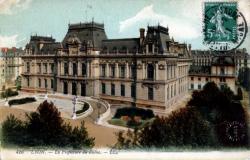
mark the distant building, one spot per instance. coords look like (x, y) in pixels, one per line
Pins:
(149, 70)
(222, 69)
(10, 66)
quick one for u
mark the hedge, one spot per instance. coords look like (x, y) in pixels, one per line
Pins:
(22, 101)
(85, 107)
(132, 111)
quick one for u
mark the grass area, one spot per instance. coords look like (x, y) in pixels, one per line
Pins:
(120, 122)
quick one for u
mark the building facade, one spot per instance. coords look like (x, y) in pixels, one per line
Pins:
(151, 70)
(222, 69)
(10, 66)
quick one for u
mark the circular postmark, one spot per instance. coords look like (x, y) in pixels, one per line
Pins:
(224, 27)
(235, 131)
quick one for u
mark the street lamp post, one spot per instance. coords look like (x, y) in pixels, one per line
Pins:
(74, 100)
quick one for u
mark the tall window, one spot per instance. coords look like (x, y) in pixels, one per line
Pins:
(103, 70)
(150, 93)
(39, 82)
(45, 83)
(150, 71)
(39, 68)
(51, 83)
(28, 81)
(84, 69)
(66, 68)
(74, 88)
(103, 88)
(122, 90)
(28, 67)
(133, 91)
(74, 69)
(52, 68)
(122, 71)
(133, 71)
(65, 87)
(192, 86)
(222, 71)
(112, 89)
(150, 48)
(112, 73)
(83, 89)
(199, 86)
(45, 67)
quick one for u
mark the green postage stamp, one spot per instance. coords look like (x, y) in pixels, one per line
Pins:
(224, 27)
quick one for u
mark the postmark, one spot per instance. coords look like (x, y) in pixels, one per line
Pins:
(224, 27)
(235, 131)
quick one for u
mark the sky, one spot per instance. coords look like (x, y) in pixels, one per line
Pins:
(19, 19)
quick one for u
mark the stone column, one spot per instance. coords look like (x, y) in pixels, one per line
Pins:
(156, 71)
(79, 71)
(107, 70)
(127, 70)
(70, 68)
(143, 71)
(116, 70)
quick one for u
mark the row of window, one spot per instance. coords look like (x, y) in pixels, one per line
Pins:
(45, 83)
(75, 69)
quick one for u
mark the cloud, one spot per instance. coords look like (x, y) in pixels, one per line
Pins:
(178, 27)
(9, 6)
(10, 41)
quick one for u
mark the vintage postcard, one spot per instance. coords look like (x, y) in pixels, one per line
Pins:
(124, 79)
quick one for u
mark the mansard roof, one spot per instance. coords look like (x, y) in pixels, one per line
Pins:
(86, 33)
(121, 44)
(199, 69)
(223, 61)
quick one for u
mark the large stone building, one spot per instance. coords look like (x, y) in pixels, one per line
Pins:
(151, 70)
(10, 66)
(220, 68)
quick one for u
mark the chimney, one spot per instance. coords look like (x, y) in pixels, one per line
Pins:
(142, 36)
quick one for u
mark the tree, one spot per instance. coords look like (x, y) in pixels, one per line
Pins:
(220, 107)
(184, 127)
(45, 127)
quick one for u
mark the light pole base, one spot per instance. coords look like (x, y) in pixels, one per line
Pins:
(74, 116)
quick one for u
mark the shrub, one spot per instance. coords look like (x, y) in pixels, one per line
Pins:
(13, 131)
(9, 93)
(184, 127)
(22, 101)
(84, 108)
(132, 111)
(45, 128)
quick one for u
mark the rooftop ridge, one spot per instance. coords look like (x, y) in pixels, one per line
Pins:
(81, 25)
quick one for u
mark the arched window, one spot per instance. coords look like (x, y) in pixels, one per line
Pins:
(150, 71)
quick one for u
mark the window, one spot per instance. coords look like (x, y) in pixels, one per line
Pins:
(65, 87)
(52, 68)
(192, 86)
(84, 69)
(199, 79)
(39, 68)
(103, 88)
(83, 89)
(199, 86)
(133, 91)
(103, 70)
(66, 68)
(122, 71)
(74, 69)
(222, 71)
(222, 80)
(28, 81)
(122, 90)
(45, 67)
(51, 83)
(133, 71)
(112, 89)
(150, 71)
(39, 82)
(28, 67)
(150, 93)
(45, 83)
(192, 78)
(112, 73)
(150, 48)
(206, 79)
(74, 88)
